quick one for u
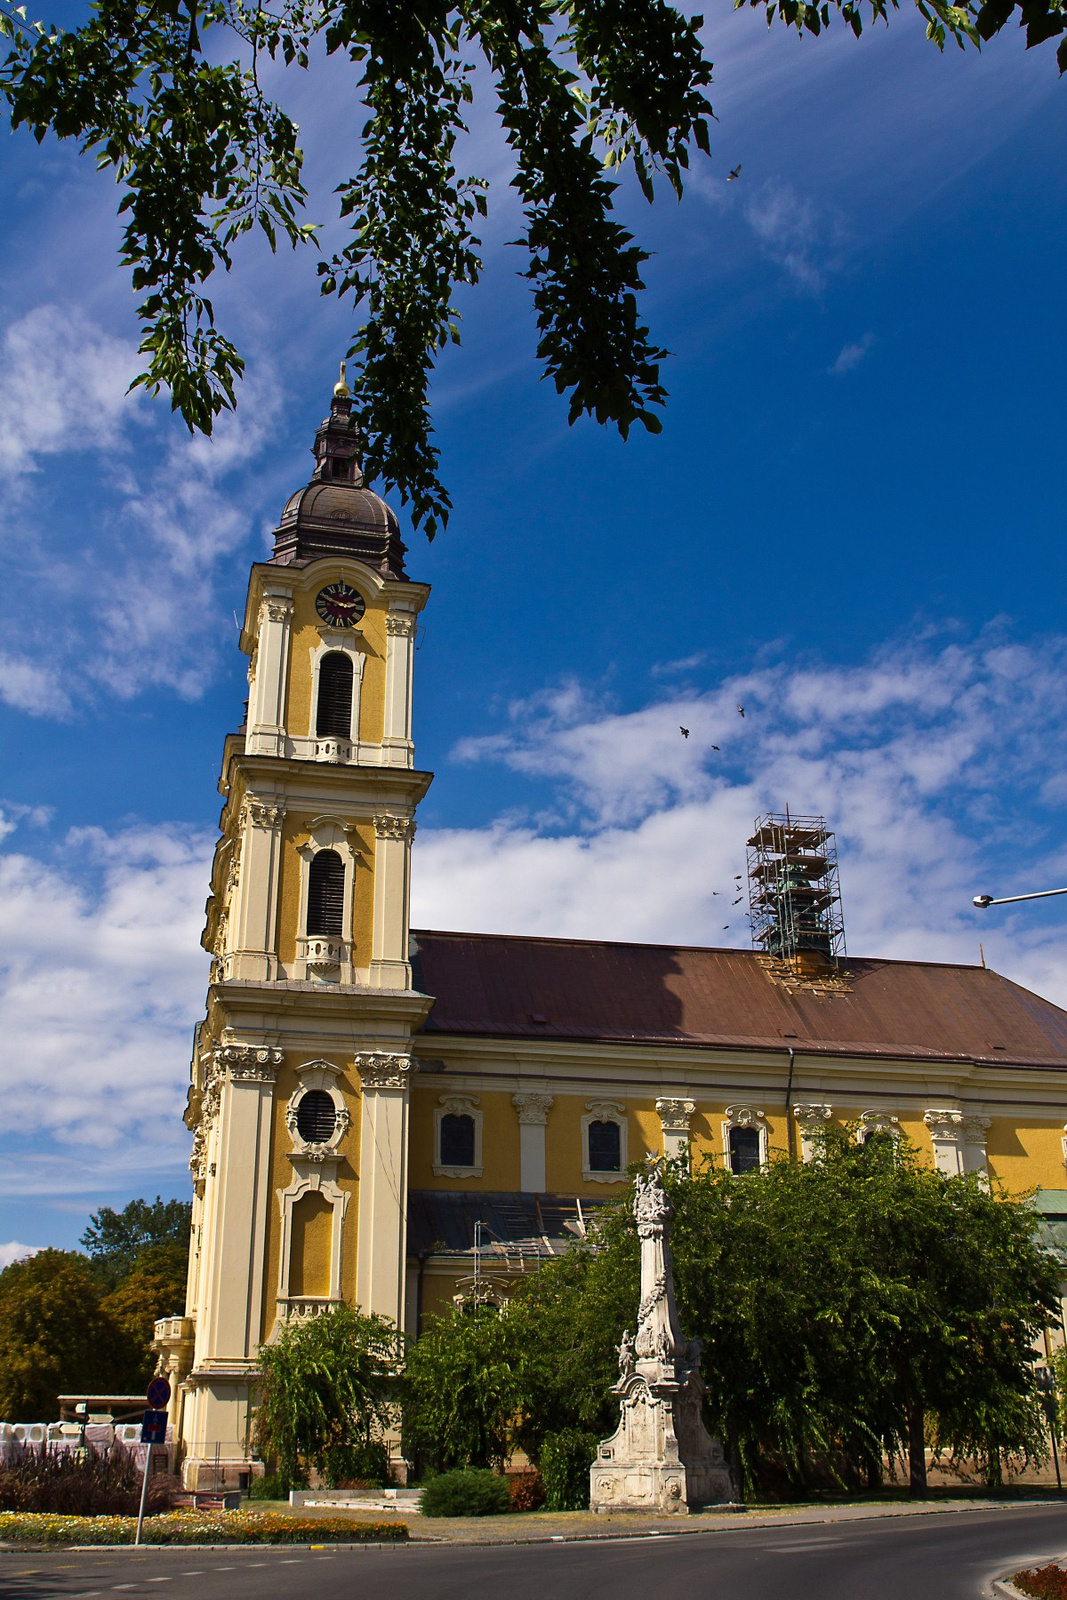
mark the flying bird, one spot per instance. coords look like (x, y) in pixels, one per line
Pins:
(683, 731)
(725, 927)
(730, 176)
(741, 710)
(738, 901)
(714, 747)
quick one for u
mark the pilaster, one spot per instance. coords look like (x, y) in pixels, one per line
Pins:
(270, 671)
(389, 967)
(533, 1112)
(381, 1241)
(397, 747)
(674, 1115)
(811, 1117)
(253, 917)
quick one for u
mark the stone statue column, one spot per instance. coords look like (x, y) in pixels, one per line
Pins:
(660, 1458)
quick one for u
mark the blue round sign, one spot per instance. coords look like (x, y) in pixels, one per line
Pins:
(158, 1394)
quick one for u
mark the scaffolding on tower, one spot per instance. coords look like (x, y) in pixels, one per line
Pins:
(794, 897)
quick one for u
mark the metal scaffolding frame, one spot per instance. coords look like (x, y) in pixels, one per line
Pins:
(794, 896)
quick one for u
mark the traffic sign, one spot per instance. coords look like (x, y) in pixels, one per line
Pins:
(158, 1394)
(154, 1427)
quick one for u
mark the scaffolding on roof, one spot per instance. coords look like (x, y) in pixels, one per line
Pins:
(794, 898)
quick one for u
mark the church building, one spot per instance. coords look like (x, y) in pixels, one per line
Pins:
(389, 1117)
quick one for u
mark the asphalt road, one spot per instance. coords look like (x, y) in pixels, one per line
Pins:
(943, 1556)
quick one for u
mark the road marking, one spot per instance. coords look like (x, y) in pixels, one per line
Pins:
(158, 1580)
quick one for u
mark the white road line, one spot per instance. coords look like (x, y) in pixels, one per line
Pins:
(158, 1580)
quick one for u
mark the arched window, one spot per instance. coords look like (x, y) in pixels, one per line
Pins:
(457, 1140)
(605, 1147)
(326, 895)
(333, 714)
(744, 1150)
(316, 1117)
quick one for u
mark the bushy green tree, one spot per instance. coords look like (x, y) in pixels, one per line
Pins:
(169, 94)
(154, 1288)
(115, 1239)
(55, 1336)
(323, 1402)
(462, 1392)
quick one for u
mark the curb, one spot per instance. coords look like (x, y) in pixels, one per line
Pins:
(1007, 1590)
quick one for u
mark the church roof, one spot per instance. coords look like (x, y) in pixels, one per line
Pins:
(507, 986)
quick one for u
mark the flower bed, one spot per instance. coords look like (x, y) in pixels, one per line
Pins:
(195, 1527)
(1043, 1583)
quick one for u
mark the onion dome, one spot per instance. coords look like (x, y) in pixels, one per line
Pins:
(335, 514)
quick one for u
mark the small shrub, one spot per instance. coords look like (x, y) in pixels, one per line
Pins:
(565, 1461)
(198, 1527)
(477, 1493)
(527, 1491)
(1043, 1583)
(272, 1486)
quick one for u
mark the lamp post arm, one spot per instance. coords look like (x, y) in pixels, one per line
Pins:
(983, 900)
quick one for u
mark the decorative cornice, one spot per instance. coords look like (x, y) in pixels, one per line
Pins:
(400, 622)
(674, 1115)
(879, 1122)
(613, 1110)
(387, 825)
(459, 1105)
(809, 1113)
(533, 1109)
(746, 1117)
(382, 1070)
(248, 1063)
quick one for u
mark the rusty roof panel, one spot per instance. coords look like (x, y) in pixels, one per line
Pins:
(498, 984)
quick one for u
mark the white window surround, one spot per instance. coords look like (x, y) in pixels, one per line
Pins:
(606, 1111)
(314, 1172)
(325, 958)
(327, 746)
(877, 1122)
(745, 1116)
(457, 1105)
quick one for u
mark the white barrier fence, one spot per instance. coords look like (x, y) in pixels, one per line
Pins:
(102, 1436)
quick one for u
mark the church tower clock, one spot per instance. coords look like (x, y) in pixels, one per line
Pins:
(301, 1066)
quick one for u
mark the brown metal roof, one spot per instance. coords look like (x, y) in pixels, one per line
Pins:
(510, 987)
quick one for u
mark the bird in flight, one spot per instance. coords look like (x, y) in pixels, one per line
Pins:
(714, 747)
(683, 731)
(725, 927)
(739, 899)
(736, 173)
(741, 710)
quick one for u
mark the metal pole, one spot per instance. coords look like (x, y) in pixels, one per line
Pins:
(144, 1494)
(983, 900)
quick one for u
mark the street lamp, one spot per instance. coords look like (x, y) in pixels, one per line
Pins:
(983, 900)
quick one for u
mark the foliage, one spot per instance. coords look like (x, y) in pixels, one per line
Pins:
(168, 95)
(362, 1465)
(1043, 1583)
(85, 1482)
(115, 1240)
(527, 1491)
(197, 1527)
(325, 1387)
(154, 1288)
(566, 1458)
(476, 1492)
(55, 1336)
(271, 1486)
(461, 1391)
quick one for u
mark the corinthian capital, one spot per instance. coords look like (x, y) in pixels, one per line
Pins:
(379, 1069)
(387, 825)
(248, 1063)
(261, 813)
(276, 608)
(674, 1115)
(944, 1123)
(533, 1109)
(401, 622)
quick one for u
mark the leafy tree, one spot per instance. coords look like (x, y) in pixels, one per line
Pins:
(324, 1398)
(168, 95)
(115, 1239)
(154, 1288)
(55, 1336)
(461, 1391)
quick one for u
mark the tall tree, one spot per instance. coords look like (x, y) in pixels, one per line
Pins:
(55, 1337)
(168, 95)
(154, 1288)
(115, 1239)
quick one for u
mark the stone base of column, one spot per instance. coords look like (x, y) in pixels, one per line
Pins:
(660, 1458)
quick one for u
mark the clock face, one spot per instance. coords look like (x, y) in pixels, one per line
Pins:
(339, 605)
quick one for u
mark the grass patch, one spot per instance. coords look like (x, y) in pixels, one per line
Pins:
(195, 1527)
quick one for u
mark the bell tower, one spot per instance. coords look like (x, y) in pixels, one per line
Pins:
(300, 1073)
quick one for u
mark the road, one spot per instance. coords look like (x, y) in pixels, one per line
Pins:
(943, 1556)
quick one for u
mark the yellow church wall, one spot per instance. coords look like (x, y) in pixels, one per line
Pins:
(294, 834)
(1026, 1155)
(311, 1246)
(306, 638)
(500, 1141)
(363, 905)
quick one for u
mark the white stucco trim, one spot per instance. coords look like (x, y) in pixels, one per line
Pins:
(326, 959)
(329, 747)
(457, 1105)
(606, 1111)
(745, 1116)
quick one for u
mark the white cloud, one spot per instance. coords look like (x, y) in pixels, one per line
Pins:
(101, 978)
(794, 232)
(13, 1251)
(850, 355)
(917, 758)
(28, 686)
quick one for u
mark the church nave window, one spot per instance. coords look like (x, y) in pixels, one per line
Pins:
(457, 1141)
(333, 714)
(744, 1151)
(605, 1147)
(326, 895)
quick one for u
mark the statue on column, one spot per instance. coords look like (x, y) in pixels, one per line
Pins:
(661, 1457)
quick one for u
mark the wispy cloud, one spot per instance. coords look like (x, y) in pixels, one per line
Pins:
(850, 355)
(802, 238)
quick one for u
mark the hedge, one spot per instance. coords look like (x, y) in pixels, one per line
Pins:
(195, 1527)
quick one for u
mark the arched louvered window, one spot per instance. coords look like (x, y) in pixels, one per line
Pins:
(326, 895)
(744, 1151)
(316, 1117)
(605, 1147)
(457, 1141)
(333, 715)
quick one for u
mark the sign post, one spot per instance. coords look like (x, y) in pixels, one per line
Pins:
(153, 1432)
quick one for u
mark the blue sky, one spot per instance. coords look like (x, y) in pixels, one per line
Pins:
(852, 523)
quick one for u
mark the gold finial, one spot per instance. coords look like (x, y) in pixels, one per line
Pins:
(341, 389)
